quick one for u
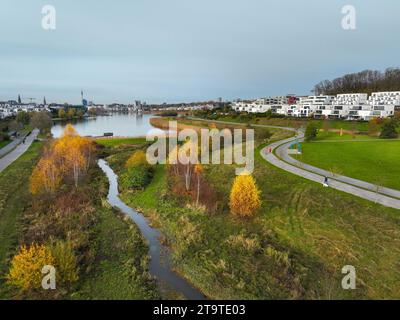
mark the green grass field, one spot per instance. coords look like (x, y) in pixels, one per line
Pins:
(373, 161)
(294, 248)
(333, 136)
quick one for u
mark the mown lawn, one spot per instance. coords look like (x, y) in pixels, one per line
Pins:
(332, 136)
(373, 161)
(14, 197)
(294, 248)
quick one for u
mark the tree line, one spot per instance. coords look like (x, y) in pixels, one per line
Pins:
(366, 81)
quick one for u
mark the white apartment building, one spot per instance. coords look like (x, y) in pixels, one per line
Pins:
(383, 104)
(385, 98)
(314, 105)
(353, 106)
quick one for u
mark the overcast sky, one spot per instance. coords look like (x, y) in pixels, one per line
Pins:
(188, 50)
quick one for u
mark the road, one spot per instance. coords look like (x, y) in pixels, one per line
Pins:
(20, 149)
(279, 157)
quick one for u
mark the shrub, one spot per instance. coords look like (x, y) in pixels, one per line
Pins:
(311, 132)
(26, 266)
(137, 159)
(389, 129)
(65, 261)
(244, 199)
(136, 178)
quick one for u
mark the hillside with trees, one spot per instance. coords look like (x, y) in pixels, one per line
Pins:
(366, 81)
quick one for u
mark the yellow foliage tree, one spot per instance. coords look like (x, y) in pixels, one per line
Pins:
(69, 155)
(45, 177)
(26, 266)
(245, 196)
(69, 131)
(136, 159)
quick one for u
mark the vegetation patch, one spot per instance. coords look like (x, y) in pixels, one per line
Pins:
(294, 247)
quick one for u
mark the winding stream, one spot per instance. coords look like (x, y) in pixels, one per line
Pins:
(160, 256)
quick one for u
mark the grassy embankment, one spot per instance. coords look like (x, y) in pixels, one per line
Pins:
(117, 251)
(333, 125)
(295, 247)
(13, 200)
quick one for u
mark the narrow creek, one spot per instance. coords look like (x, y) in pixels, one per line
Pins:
(160, 255)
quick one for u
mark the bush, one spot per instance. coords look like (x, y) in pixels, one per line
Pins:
(311, 132)
(26, 266)
(389, 129)
(65, 261)
(136, 178)
(42, 120)
(136, 160)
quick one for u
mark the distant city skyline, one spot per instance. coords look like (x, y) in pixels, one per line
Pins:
(181, 51)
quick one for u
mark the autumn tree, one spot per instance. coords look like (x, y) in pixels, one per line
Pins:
(26, 266)
(67, 157)
(245, 196)
(374, 126)
(62, 114)
(41, 120)
(46, 177)
(71, 113)
(22, 117)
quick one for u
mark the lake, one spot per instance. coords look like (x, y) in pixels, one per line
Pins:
(129, 125)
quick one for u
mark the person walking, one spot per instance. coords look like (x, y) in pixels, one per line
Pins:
(326, 182)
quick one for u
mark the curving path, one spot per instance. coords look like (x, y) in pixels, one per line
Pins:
(18, 150)
(280, 158)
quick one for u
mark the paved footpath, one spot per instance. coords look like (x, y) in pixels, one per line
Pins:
(20, 149)
(362, 189)
(279, 157)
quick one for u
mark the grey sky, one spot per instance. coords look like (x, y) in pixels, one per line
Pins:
(185, 50)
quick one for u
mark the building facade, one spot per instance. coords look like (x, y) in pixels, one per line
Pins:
(352, 106)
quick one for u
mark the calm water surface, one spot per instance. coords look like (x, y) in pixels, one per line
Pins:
(129, 125)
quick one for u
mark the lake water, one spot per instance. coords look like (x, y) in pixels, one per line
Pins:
(126, 125)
